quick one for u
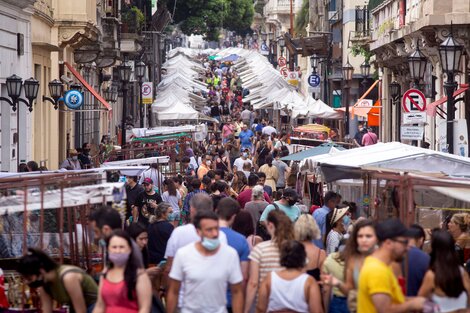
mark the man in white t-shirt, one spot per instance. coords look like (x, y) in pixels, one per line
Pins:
(187, 234)
(268, 130)
(239, 162)
(206, 268)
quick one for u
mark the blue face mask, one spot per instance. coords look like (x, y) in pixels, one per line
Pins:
(210, 244)
(346, 220)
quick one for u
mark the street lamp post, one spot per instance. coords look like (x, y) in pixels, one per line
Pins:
(314, 63)
(56, 88)
(365, 72)
(450, 53)
(395, 93)
(348, 71)
(282, 44)
(125, 72)
(14, 85)
(140, 73)
(417, 62)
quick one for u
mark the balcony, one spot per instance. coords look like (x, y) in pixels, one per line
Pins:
(275, 7)
(360, 38)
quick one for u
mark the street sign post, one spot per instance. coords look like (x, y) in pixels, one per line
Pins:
(414, 117)
(414, 100)
(282, 62)
(412, 132)
(293, 78)
(314, 80)
(284, 71)
(147, 93)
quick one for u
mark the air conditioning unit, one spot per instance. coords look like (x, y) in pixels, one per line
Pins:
(332, 15)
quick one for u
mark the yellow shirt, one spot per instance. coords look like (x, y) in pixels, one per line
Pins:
(376, 277)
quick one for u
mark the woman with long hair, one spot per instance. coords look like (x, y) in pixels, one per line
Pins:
(172, 196)
(290, 289)
(139, 233)
(360, 244)
(240, 182)
(306, 230)
(265, 256)
(243, 224)
(446, 282)
(64, 284)
(272, 173)
(124, 287)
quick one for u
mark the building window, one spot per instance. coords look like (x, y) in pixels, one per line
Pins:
(362, 21)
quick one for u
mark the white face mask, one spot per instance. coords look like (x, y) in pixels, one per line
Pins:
(208, 163)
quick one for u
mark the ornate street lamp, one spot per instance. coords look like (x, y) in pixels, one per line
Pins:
(255, 36)
(31, 89)
(282, 44)
(314, 62)
(348, 71)
(264, 37)
(365, 69)
(125, 72)
(417, 62)
(140, 73)
(395, 93)
(14, 85)
(110, 94)
(56, 88)
(450, 53)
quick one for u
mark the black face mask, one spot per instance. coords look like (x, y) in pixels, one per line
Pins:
(36, 284)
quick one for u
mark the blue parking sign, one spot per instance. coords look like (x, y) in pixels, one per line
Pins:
(314, 80)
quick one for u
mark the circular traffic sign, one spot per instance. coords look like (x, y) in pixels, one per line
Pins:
(284, 72)
(314, 80)
(281, 61)
(146, 90)
(414, 100)
(73, 99)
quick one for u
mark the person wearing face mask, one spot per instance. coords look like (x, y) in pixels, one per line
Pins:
(197, 266)
(335, 229)
(286, 204)
(239, 162)
(159, 231)
(72, 162)
(205, 167)
(84, 157)
(65, 284)
(124, 286)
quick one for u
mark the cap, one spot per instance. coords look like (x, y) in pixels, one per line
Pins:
(147, 181)
(338, 214)
(391, 228)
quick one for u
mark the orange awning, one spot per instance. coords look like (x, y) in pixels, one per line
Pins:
(357, 108)
(373, 116)
(88, 86)
(431, 108)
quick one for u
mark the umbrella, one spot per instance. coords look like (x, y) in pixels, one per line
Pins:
(321, 149)
(231, 58)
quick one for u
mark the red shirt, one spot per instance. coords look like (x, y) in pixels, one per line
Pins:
(245, 196)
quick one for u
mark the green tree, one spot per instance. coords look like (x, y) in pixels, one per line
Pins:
(207, 17)
(302, 19)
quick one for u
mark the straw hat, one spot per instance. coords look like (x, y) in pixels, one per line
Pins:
(338, 214)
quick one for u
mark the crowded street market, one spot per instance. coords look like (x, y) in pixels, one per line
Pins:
(241, 184)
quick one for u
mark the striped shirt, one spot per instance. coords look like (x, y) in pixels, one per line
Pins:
(267, 255)
(332, 241)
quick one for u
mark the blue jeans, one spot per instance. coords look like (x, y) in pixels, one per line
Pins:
(338, 305)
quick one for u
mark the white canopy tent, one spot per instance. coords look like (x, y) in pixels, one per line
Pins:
(316, 109)
(392, 155)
